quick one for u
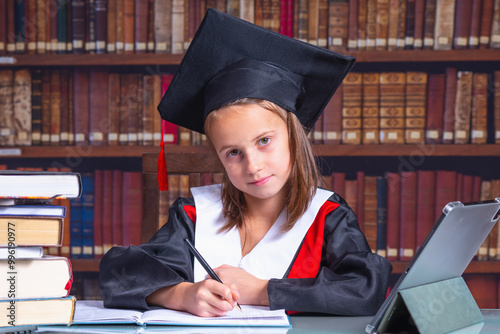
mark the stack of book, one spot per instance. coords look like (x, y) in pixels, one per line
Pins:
(34, 289)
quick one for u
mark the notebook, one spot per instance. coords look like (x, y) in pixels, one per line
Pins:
(93, 312)
(448, 249)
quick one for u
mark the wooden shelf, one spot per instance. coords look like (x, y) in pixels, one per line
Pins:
(320, 150)
(145, 59)
(475, 267)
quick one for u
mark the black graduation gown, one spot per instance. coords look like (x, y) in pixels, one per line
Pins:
(337, 274)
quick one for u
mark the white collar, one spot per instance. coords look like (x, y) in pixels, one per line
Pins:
(225, 248)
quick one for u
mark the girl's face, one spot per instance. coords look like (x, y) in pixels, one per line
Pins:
(252, 143)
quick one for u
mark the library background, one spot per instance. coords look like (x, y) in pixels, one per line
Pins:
(414, 126)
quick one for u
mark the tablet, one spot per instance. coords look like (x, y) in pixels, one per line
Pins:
(448, 249)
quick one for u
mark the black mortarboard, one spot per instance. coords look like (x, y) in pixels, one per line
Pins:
(230, 59)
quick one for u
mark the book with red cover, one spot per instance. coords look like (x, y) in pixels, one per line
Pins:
(467, 189)
(81, 105)
(132, 208)
(98, 122)
(410, 25)
(101, 25)
(55, 107)
(435, 108)
(116, 212)
(496, 105)
(370, 211)
(418, 41)
(408, 216)
(426, 181)
(111, 26)
(141, 26)
(128, 25)
(332, 118)
(485, 28)
(446, 190)
(475, 24)
(114, 115)
(360, 212)
(169, 130)
(393, 214)
(338, 183)
(66, 107)
(359, 29)
(463, 10)
(484, 289)
(98, 207)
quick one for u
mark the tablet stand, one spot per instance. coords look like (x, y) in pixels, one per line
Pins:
(433, 308)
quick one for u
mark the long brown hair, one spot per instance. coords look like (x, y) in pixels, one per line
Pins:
(304, 176)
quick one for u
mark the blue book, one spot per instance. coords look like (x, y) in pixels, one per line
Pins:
(88, 215)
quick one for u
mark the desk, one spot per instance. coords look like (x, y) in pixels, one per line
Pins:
(300, 325)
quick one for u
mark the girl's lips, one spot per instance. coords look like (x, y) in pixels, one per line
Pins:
(260, 182)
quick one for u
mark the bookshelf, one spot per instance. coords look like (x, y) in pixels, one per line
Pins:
(487, 60)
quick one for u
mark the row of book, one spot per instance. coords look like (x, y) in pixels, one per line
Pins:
(135, 26)
(36, 287)
(396, 211)
(99, 107)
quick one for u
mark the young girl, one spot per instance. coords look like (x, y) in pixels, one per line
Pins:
(274, 237)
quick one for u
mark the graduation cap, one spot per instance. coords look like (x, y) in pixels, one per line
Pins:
(229, 59)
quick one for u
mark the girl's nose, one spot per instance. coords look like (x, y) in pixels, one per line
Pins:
(254, 162)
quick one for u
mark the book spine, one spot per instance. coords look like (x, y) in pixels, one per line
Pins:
(81, 100)
(418, 42)
(107, 211)
(323, 24)
(381, 216)
(435, 108)
(128, 25)
(313, 28)
(120, 38)
(45, 129)
(393, 214)
(361, 26)
(339, 16)
(392, 107)
(370, 211)
(30, 26)
(7, 137)
(486, 21)
(3, 27)
(392, 35)
(332, 118)
(55, 107)
(98, 208)
(408, 219)
(371, 24)
(178, 9)
(410, 25)
(36, 107)
(426, 183)
(11, 28)
(443, 32)
(88, 200)
(163, 26)
(463, 104)
(351, 108)
(370, 111)
(479, 113)
(402, 24)
(415, 110)
(64, 106)
(98, 97)
(382, 25)
(446, 190)
(132, 208)
(101, 16)
(111, 26)
(495, 27)
(463, 10)
(22, 107)
(429, 24)
(449, 105)
(141, 26)
(496, 105)
(113, 117)
(475, 24)
(20, 26)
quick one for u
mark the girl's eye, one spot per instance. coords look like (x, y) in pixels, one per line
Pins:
(264, 141)
(232, 153)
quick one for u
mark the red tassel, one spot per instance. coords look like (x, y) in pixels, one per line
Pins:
(162, 165)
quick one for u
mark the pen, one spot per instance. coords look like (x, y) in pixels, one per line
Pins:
(205, 265)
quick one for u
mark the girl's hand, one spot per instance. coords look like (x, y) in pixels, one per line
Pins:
(207, 298)
(253, 290)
